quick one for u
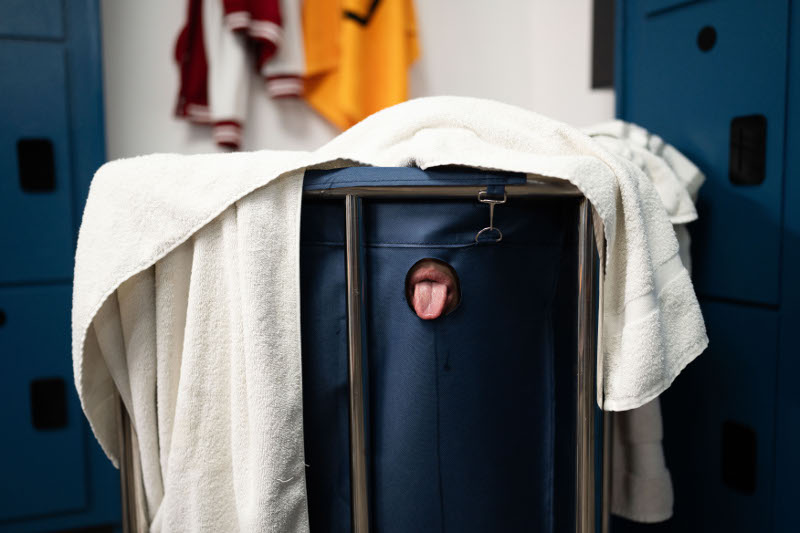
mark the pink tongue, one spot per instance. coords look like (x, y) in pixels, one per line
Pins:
(429, 299)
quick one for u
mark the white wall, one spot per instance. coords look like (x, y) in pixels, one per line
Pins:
(535, 54)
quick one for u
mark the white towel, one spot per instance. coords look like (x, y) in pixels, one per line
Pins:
(641, 486)
(186, 298)
(674, 176)
(641, 483)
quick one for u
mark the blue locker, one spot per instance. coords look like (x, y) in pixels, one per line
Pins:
(738, 370)
(37, 236)
(689, 96)
(45, 473)
(55, 476)
(787, 489)
(33, 19)
(712, 77)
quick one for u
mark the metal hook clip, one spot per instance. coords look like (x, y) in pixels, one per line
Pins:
(484, 199)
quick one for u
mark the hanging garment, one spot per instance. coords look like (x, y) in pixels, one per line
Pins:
(283, 73)
(641, 484)
(259, 19)
(186, 298)
(275, 28)
(190, 54)
(228, 75)
(216, 49)
(357, 56)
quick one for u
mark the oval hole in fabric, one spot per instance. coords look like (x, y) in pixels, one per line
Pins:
(437, 276)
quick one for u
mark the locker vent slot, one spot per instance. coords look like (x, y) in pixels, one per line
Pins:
(739, 457)
(37, 172)
(748, 150)
(48, 403)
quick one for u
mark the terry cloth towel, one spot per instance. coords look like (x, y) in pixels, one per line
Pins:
(674, 176)
(641, 483)
(186, 298)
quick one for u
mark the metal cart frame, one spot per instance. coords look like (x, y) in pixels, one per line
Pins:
(590, 299)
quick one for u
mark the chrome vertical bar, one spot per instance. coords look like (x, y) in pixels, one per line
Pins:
(586, 361)
(608, 417)
(358, 455)
(126, 477)
(608, 428)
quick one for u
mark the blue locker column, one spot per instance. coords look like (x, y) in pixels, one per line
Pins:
(689, 70)
(719, 443)
(55, 477)
(787, 487)
(711, 78)
(44, 464)
(37, 215)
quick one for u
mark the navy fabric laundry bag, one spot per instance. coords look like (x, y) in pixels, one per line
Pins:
(470, 417)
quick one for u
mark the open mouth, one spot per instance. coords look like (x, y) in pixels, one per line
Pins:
(432, 288)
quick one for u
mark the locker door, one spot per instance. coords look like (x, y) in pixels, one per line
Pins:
(42, 455)
(37, 19)
(35, 185)
(719, 425)
(787, 489)
(689, 71)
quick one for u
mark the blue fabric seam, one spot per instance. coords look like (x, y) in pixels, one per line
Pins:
(432, 244)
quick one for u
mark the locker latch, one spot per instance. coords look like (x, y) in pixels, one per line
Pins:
(748, 150)
(36, 165)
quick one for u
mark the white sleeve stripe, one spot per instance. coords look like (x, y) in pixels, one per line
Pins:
(266, 30)
(284, 87)
(237, 20)
(275, 38)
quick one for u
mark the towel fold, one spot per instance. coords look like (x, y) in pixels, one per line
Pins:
(674, 176)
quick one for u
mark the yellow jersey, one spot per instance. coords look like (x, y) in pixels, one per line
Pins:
(357, 56)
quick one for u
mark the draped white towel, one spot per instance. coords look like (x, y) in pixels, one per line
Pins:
(641, 483)
(186, 298)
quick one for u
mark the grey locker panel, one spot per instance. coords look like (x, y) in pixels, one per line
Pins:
(40, 19)
(689, 71)
(42, 451)
(719, 425)
(37, 238)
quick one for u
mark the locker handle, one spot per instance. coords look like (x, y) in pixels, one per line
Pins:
(36, 165)
(739, 457)
(48, 404)
(748, 150)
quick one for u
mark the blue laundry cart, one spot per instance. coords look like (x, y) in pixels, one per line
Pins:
(483, 419)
